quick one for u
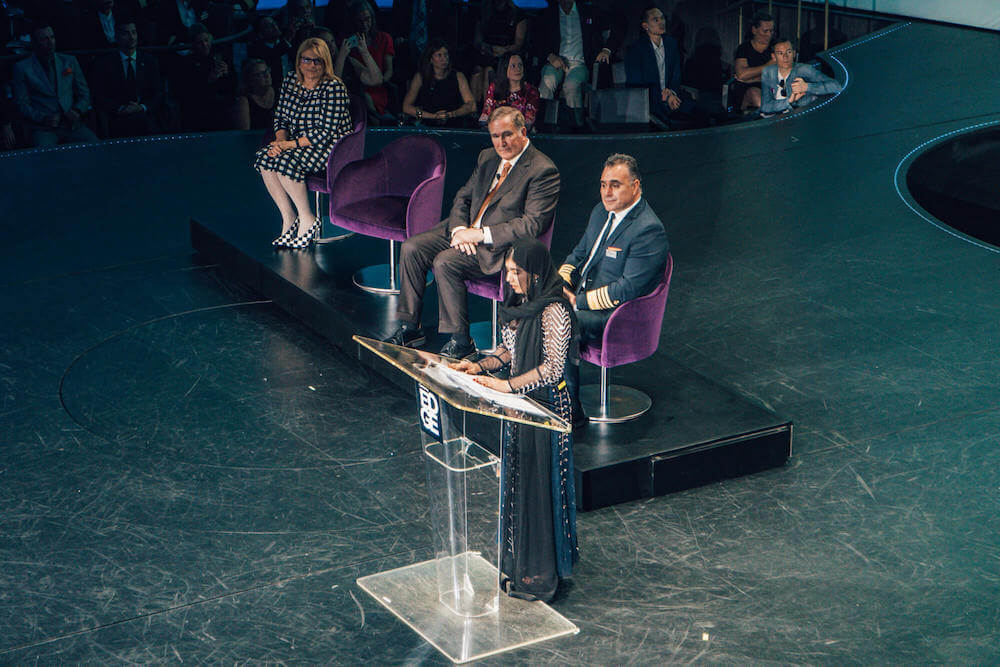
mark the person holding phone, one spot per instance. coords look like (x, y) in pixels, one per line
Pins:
(788, 85)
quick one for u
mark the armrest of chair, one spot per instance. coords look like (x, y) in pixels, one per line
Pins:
(424, 209)
(633, 330)
(350, 148)
(362, 179)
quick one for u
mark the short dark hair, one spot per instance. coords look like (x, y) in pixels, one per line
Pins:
(644, 16)
(627, 160)
(781, 39)
(760, 17)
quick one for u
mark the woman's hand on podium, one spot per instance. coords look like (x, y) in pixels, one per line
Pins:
(466, 366)
(495, 384)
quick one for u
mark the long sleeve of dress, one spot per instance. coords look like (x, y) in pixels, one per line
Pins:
(335, 120)
(282, 110)
(557, 330)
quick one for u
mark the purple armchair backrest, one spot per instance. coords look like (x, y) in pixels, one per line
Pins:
(633, 330)
(351, 146)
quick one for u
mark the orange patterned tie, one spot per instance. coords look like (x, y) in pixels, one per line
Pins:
(489, 195)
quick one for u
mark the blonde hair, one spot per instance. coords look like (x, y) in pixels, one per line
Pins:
(322, 50)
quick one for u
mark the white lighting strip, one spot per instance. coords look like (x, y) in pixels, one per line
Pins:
(937, 223)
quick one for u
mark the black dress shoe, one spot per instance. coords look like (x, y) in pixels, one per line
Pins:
(407, 337)
(457, 350)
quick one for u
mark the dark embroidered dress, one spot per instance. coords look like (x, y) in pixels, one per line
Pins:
(538, 543)
(323, 115)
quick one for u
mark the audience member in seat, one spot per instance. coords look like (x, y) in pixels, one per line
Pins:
(8, 115)
(749, 61)
(127, 88)
(205, 86)
(511, 194)
(255, 107)
(654, 62)
(268, 45)
(705, 70)
(572, 39)
(51, 93)
(537, 507)
(511, 90)
(788, 85)
(379, 44)
(622, 256)
(177, 20)
(298, 20)
(501, 30)
(98, 29)
(312, 114)
(438, 94)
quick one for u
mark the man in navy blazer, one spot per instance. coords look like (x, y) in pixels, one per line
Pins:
(653, 61)
(622, 256)
(51, 93)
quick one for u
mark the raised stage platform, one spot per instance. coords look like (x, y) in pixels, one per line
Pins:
(696, 432)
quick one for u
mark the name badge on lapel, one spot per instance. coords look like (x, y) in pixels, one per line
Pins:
(612, 252)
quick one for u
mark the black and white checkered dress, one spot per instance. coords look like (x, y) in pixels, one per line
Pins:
(322, 115)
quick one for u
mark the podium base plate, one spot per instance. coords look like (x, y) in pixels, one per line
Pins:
(411, 594)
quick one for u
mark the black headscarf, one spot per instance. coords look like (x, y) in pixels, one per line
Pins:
(544, 288)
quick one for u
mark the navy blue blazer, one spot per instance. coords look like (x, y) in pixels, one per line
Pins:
(629, 264)
(641, 70)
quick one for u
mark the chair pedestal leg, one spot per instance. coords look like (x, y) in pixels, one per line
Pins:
(380, 278)
(611, 404)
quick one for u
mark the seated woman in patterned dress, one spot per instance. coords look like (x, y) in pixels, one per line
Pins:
(511, 90)
(312, 114)
(537, 496)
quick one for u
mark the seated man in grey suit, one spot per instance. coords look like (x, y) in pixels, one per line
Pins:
(622, 256)
(511, 194)
(51, 93)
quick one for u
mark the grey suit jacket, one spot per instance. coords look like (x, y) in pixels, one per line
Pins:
(523, 205)
(37, 98)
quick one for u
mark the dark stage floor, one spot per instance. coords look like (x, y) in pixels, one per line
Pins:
(188, 474)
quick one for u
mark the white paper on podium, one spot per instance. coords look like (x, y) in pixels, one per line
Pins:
(449, 376)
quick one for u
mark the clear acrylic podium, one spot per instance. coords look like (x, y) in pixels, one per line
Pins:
(453, 600)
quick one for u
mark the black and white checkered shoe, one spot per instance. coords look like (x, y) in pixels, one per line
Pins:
(306, 239)
(288, 236)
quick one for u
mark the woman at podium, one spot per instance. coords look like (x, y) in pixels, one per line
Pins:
(537, 497)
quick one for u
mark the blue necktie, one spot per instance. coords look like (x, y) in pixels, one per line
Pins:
(597, 249)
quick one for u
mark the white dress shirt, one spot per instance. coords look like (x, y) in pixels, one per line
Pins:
(487, 236)
(570, 35)
(661, 62)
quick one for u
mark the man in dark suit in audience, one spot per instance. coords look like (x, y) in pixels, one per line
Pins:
(127, 87)
(97, 29)
(511, 194)
(653, 61)
(622, 256)
(51, 93)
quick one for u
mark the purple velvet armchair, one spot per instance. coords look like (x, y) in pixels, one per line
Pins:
(631, 334)
(392, 195)
(491, 287)
(351, 147)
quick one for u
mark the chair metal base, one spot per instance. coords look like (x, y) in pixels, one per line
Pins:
(621, 404)
(378, 279)
(330, 233)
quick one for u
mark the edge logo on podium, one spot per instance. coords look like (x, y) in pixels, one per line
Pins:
(429, 412)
